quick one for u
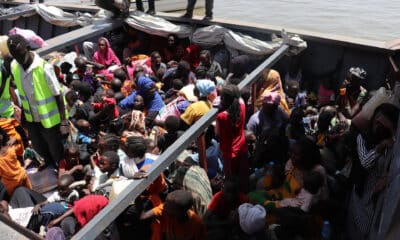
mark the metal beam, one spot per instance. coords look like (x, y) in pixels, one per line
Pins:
(79, 35)
(17, 14)
(20, 229)
(106, 216)
(269, 62)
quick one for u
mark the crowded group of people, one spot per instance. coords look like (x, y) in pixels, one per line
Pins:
(288, 161)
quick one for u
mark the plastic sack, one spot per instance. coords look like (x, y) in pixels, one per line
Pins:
(34, 40)
(118, 186)
(156, 25)
(362, 120)
(381, 96)
(3, 46)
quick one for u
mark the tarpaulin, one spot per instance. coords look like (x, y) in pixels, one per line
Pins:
(156, 25)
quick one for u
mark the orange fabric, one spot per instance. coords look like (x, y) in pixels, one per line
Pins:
(171, 229)
(9, 125)
(127, 88)
(12, 173)
(153, 192)
(272, 83)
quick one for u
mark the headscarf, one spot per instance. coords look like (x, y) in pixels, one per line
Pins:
(251, 218)
(109, 56)
(55, 233)
(272, 83)
(272, 98)
(205, 87)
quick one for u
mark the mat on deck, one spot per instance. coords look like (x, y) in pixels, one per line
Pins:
(44, 180)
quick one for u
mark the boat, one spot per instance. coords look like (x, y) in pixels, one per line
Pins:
(326, 54)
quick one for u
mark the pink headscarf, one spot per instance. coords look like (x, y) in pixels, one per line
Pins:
(108, 58)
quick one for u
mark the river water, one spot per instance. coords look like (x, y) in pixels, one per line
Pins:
(370, 19)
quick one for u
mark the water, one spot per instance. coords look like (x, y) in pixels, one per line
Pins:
(369, 19)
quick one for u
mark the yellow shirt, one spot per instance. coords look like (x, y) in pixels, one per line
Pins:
(195, 111)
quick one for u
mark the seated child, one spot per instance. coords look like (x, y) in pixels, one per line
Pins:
(225, 202)
(71, 164)
(177, 220)
(82, 212)
(108, 103)
(56, 204)
(84, 132)
(172, 124)
(309, 194)
(12, 174)
(105, 173)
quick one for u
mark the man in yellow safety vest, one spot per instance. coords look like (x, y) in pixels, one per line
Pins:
(41, 100)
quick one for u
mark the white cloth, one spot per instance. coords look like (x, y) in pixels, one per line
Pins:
(55, 197)
(304, 200)
(252, 218)
(27, 83)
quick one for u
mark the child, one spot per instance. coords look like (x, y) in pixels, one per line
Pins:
(55, 205)
(84, 132)
(225, 201)
(309, 194)
(177, 220)
(108, 103)
(172, 124)
(105, 173)
(71, 164)
(12, 174)
(64, 195)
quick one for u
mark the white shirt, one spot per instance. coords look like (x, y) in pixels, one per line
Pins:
(55, 197)
(27, 83)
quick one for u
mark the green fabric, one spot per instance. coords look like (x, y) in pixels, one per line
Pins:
(6, 107)
(47, 104)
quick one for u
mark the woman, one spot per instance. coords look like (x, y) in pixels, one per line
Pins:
(105, 57)
(304, 158)
(369, 173)
(230, 129)
(272, 83)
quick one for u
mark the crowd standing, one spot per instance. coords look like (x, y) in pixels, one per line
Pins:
(305, 164)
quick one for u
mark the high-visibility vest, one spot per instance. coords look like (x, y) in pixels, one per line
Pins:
(46, 103)
(6, 106)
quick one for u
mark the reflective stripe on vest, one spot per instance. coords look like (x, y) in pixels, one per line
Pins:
(6, 107)
(46, 103)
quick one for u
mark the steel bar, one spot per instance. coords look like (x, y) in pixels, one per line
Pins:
(116, 207)
(269, 62)
(17, 14)
(20, 229)
(79, 35)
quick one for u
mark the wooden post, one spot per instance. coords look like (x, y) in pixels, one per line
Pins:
(201, 146)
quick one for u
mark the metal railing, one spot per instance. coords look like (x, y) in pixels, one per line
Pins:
(106, 216)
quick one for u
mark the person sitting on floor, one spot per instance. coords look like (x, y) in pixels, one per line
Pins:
(177, 220)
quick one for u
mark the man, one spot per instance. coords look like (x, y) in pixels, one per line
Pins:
(213, 68)
(120, 8)
(41, 100)
(151, 10)
(190, 8)
(6, 106)
(269, 118)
